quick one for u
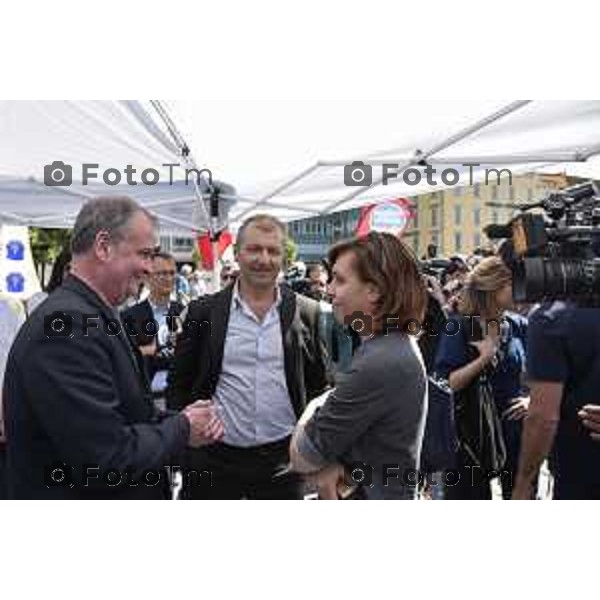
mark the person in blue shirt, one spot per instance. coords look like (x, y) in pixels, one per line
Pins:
(563, 364)
(487, 297)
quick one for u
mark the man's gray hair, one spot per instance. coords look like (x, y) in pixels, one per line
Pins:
(265, 223)
(106, 213)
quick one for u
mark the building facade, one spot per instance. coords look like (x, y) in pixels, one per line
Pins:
(180, 246)
(452, 219)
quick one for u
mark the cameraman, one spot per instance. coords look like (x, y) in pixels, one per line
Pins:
(151, 324)
(564, 370)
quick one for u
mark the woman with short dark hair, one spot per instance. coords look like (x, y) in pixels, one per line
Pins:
(372, 424)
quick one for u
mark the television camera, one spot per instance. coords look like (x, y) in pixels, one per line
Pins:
(554, 253)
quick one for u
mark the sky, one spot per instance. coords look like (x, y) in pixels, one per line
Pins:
(244, 142)
(255, 145)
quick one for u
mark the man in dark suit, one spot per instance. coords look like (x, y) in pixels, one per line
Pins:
(79, 420)
(152, 324)
(255, 351)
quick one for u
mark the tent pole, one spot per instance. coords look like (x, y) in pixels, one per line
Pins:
(216, 273)
(12, 217)
(185, 152)
(457, 137)
(482, 160)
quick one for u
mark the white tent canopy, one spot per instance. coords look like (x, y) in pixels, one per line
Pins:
(285, 159)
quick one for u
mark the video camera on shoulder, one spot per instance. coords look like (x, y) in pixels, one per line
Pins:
(555, 254)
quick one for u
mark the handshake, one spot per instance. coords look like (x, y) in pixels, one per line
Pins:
(205, 425)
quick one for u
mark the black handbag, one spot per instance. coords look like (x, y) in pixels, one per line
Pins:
(478, 424)
(440, 443)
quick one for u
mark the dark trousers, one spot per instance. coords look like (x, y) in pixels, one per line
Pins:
(571, 490)
(513, 431)
(231, 473)
(466, 483)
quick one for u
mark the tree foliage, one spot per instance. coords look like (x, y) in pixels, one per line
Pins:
(291, 250)
(46, 244)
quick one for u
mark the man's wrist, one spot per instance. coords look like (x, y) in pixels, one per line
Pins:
(482, 362)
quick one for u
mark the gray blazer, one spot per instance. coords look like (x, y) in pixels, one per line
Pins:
(375, 416)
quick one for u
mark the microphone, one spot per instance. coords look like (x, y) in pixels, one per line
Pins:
(498, 232)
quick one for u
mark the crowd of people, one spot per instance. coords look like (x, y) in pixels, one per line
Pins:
(127, 379)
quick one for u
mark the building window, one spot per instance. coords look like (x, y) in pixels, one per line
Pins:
(415, 219)
(511, 192)
(181, 244)
(494, 192)
(435, 240)
(434, 216)
(457, 241)
(415, 244)
(165, 243)
(477, 240)
(476, 190)
(495, 217)
(458, 192)
(457, 214)
(477, 215)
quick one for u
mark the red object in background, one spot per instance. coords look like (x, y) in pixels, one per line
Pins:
(205, 248)
(391, 216)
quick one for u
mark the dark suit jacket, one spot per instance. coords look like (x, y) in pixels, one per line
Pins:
(137, 317)
(199, 349)
(82, 399)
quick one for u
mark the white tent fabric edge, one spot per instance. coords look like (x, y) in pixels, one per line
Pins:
(139, 133)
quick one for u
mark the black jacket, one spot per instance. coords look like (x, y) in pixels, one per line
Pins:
(199, 349)
(136, 319)
(80, 397)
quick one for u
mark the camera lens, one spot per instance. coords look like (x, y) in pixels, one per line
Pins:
(556, 278)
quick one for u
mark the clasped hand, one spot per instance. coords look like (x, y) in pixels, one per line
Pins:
(205, 425)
